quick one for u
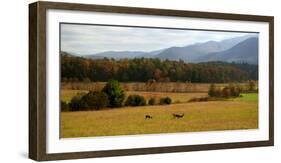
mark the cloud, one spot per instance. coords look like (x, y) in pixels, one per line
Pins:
(89, 39)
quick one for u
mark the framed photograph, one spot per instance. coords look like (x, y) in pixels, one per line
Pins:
(113, 81)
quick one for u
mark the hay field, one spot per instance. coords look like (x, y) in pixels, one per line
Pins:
(67, 94)
(179, 87)
(199, 116)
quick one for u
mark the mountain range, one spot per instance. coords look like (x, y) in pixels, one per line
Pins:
(245, 51)
(238, 49)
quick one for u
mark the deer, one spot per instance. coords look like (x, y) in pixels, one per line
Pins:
(148, 117)
(178, 115)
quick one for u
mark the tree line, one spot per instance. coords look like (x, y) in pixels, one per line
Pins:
(74, 69)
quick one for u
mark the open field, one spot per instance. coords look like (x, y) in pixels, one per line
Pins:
(199, 116)
(176, 97)
(251, 97)
(230, 114)
(66, 95)
(179, 87)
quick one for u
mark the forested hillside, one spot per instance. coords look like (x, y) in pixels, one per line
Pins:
(145, 69)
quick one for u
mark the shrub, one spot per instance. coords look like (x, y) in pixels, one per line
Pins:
(194, 99)
(95, 100)
(135, 100)
(251, 85)
(199, 99)
(89, 101)
(64, 106)
(76, 104)
(235, 91)
(152, 101)
(204, 99)
(115, 93)
(218, 93)
(226, 92)
(212, 90)
(165, 101)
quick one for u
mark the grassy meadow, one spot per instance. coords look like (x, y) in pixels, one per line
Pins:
(203, 116)
(232, 114)
(66, 95)
(248, 97)
(177, 87)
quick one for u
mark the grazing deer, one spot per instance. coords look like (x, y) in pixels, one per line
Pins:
(178, 115)
(148, 117)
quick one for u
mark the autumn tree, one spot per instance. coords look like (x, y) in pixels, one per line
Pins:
(115, 93)
(79, 69)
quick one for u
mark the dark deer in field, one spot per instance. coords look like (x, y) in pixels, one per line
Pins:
(178, 115)
(148, 117)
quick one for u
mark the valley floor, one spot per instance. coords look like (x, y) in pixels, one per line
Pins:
(199, 116)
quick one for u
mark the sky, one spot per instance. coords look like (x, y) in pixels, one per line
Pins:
(91, 39)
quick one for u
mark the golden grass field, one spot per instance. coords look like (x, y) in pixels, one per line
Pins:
(66, 95)
(146, 87)
(240, 113)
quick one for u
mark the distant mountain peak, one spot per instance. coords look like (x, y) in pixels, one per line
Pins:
(245, 51)
(198, 52)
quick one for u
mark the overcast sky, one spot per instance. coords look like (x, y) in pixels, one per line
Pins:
(90, 39)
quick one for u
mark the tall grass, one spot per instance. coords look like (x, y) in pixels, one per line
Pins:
(203, 116)
(148, 87)
(67, 95)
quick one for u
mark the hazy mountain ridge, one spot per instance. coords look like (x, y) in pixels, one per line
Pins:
(199, 52)
(192, 53)
(245, 51)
